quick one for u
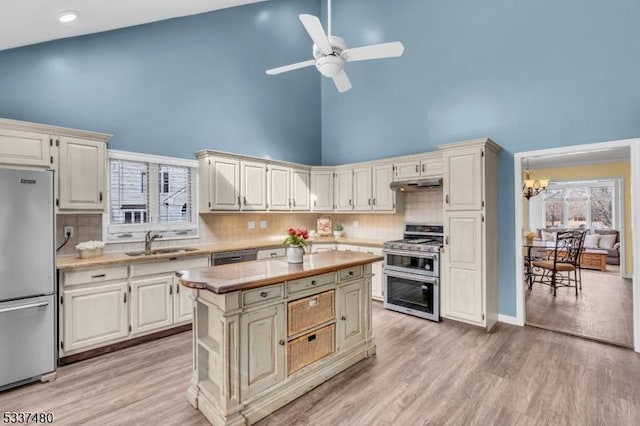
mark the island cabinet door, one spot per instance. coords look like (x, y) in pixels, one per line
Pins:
(352, 314)
(262, 349)
(151, 303)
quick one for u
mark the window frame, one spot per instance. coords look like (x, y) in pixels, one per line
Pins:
(615, 190)
(134, 232)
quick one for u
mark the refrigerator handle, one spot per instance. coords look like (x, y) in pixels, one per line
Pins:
(21, 307)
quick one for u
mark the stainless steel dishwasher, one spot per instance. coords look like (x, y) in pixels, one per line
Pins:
(235, 256)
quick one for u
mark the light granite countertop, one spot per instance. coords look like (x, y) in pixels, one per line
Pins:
(115, 258)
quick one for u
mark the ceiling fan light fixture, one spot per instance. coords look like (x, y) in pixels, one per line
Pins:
(330, 66)
(67, 16)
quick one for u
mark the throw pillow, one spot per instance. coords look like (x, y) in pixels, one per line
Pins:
(607, 241)
(548, 236)
(591, 241)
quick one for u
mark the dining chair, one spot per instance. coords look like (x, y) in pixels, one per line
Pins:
(564, 260)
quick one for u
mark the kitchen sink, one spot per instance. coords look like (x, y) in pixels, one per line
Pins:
(161, 251)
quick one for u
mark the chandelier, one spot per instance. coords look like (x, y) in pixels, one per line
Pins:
(533, 187)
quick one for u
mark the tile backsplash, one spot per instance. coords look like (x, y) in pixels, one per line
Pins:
(423, 207)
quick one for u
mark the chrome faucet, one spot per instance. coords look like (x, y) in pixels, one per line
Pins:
(148, 239)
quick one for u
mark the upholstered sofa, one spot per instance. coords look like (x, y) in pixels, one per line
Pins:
(613, 253)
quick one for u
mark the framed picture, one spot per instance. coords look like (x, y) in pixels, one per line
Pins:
(324, 226)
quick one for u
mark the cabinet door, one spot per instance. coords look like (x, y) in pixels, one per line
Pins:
(407, 170)
(463, 179)
(362, 189)
(431, 167)
(263, 351)
(343, 193)
(352, 317)
(384, 199)
(151, 303)
(278, 183)
(253, 181)
(182, 303)
(225, 188)
(94, 316)
(322, 190)
(462, 282)
(376, 268)
(300, 194)
(24, 148)
(81, 174)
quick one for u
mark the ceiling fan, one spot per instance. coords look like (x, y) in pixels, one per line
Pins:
(331, 52)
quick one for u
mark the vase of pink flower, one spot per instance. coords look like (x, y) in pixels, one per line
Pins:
(295, 242)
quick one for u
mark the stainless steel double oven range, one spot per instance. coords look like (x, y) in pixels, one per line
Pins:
(412, 271)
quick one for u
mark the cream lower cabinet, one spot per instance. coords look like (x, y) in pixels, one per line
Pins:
(262, 349)
(182, 303)
(352, 313)
(94, 315)
(151, 303)
(377, 291)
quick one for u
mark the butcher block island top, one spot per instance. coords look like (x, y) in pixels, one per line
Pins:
(267, 332)
(247, 275)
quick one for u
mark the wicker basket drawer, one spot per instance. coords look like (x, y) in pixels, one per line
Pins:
(311, 347)
(310, 312)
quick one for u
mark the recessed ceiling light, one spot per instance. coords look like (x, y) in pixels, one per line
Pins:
(67, 16)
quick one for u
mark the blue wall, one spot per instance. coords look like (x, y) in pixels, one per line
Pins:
(177, 86)
(530, 74)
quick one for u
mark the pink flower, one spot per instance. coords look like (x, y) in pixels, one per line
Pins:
(292, 231)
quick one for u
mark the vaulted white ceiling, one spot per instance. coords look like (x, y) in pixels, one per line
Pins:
(24, 22)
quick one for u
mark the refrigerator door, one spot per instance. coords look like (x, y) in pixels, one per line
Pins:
(27, 230)
(27, 339)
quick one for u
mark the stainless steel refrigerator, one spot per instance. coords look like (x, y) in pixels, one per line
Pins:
(27, 276)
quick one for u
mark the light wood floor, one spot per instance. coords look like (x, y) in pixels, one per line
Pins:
(424, 373)
(602, 310)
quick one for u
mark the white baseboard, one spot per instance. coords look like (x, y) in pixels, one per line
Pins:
(508, 319)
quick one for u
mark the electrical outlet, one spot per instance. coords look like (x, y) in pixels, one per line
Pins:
(68, 231)
(251, 224)
(263, 224)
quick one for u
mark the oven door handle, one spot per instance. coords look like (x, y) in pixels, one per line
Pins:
(418, 278)
(413, 254)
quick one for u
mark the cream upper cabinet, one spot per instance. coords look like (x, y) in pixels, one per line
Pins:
(25, 148)
(253, 181)
(151, 303)
(81, 174)
(352, 315)
(362, 189)
(322, 190)
(463, 297)
(431, 167)
(343, 190)
(300, 194)
(225, 185)
(278, 187)
(182, 303)
(262, 349)
(407, 169)
(463, 172)
(384, 199)
(94, 316)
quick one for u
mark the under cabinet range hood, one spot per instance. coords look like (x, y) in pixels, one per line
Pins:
(416, 185)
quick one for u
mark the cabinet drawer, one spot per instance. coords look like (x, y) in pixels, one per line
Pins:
(97, 275)
(165, 265)
(311, 347)
(269, 254)
(259, 295)
(350, 273)
(311, 282)
(310, 312)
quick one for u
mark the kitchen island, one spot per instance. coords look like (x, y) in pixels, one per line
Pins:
(267, 332)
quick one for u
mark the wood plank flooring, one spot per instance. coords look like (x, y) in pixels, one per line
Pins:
(602, 310)
(424, 374)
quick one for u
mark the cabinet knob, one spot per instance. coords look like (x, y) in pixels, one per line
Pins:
(350, 273)
(314, 282)
(244, 201)
(446, 199)
(170, 289)
(263, 294)
(374, 201)
(446, 240)
(369, 201)
(100, 196)
(281, 342)
(343, 318)
(417, 170)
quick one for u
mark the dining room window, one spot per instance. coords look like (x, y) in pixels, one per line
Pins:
(580, 204)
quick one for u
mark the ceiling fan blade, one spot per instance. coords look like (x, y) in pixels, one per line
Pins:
(375, 51)
(342, 82)
(314, 27)
(279, 70)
